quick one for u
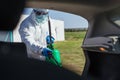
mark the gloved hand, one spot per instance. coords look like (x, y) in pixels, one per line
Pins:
(47, 52)
(48, 39)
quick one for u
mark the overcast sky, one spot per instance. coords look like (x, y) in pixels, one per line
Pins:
(70, 20)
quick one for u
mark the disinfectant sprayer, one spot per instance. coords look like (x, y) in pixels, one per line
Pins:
(54, 57)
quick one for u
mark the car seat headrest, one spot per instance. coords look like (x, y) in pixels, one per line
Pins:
(10, 13)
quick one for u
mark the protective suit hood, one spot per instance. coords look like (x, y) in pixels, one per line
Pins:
(41, 10)
(39, 19)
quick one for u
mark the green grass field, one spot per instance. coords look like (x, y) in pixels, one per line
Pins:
(71, 53)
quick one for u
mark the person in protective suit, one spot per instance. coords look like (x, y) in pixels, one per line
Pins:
(34, 32)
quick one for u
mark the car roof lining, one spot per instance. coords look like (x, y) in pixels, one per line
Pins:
(86, 8)
(87, 2)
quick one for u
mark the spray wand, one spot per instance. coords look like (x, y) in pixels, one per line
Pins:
(55, 56)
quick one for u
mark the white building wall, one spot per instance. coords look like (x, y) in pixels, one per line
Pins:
(59, 30)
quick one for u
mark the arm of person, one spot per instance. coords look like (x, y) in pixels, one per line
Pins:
(27, 36)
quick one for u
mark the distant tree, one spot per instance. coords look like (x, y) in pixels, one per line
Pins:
(75, 29)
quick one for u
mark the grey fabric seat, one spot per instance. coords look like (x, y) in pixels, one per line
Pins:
(102, 66)
(14, 65)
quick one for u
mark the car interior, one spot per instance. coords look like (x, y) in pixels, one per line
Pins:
(101, 45)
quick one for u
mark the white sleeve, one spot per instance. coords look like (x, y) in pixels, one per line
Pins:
(27, 37)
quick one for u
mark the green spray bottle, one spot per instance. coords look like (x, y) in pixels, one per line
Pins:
(54, 57)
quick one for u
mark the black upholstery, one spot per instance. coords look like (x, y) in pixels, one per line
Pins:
(10, 13)
(14, 65)
(102, 66)
(11, 50)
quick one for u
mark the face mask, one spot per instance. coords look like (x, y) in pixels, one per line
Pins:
(41, 18)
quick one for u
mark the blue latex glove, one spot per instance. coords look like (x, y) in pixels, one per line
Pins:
(48, 39)
(46, 52)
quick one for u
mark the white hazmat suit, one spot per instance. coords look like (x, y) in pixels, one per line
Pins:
(34, 34)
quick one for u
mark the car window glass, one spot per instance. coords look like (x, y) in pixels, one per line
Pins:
(114, 16)
(70, 30)
(116, 20)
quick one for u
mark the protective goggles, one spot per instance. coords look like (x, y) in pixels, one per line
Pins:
(40, 13)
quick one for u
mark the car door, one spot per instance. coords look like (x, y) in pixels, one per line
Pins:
(101, 47)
